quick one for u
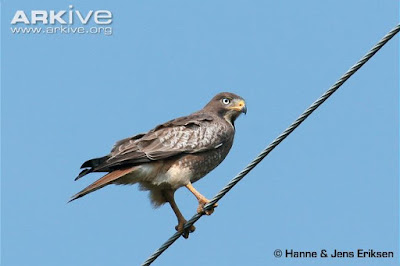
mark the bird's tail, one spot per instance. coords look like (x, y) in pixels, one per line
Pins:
(104, 181)
(91, 165)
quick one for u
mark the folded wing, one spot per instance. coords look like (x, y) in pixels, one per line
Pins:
(191, 134)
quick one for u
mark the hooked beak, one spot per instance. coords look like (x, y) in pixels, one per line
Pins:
(240, 106)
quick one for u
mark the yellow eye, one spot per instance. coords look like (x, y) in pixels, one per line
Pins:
(226, 101)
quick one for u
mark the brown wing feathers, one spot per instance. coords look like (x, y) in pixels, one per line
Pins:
(142, 148)
(165, 141)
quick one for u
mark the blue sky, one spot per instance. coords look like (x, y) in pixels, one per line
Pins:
(333, 184)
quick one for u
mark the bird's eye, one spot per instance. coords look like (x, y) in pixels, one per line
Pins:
(226, 101)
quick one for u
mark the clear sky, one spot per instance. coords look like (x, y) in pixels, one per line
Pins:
(66, 98)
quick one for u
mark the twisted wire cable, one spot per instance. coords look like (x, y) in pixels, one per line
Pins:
(277, 141)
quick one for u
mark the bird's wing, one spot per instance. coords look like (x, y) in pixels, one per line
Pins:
(191, 134)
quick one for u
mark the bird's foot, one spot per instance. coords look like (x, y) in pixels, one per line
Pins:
(185, 232)
(202, 203)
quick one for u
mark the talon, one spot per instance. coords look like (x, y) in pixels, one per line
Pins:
(202, 203)
(185, 232)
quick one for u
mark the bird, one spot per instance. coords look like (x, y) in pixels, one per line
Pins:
(172, 155)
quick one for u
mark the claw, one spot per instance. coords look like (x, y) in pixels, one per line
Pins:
(185, 232)
(202, 203)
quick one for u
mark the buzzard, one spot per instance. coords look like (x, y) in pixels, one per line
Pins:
(172, 155)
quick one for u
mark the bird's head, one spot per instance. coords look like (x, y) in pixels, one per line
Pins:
(227, 105)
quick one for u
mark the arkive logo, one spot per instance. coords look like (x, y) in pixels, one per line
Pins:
(71, 21)
(100, 17)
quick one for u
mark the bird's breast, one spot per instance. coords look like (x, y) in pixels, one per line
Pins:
(202, 163)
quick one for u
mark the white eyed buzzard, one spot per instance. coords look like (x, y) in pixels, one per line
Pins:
(172, 155)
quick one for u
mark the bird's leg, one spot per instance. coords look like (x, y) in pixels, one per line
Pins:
(169, 196)
(202, 200)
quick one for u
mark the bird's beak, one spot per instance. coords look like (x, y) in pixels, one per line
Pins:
(244, 109)
(240, 106)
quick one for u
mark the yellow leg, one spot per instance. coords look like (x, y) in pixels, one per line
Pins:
(202, 200)
(169, 196)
